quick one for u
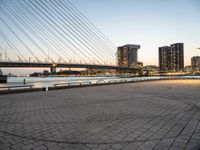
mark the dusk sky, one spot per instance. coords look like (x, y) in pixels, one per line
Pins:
(150, 23)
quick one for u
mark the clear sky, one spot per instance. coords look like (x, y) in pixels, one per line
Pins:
(150, 23)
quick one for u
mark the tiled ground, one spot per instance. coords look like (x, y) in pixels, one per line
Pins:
(147, 115)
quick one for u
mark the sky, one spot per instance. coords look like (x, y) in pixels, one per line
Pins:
(149, 23)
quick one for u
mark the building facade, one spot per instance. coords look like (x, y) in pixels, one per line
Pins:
(195, 63)
(171, 58)
(177, 56)
(127, 55)
(164, 57)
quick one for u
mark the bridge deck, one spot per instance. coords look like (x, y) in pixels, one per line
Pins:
(63, 65)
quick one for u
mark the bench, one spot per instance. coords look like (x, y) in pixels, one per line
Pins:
(16, 86)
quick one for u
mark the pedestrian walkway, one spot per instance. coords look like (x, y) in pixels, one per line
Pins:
(144, 115)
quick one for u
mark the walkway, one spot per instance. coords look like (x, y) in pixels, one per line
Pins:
(145, 115)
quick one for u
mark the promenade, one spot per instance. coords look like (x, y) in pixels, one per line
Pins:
(144, 115)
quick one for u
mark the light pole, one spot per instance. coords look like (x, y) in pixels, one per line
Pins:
(1, 57)
(6, 56)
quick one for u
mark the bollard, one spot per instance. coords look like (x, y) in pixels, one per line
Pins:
(45, 89)
(24, 81)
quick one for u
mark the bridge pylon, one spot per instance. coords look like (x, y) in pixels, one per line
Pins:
(53, 68)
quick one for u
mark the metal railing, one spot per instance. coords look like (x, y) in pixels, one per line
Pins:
(72, 84)
(94, 83)
(16, 87)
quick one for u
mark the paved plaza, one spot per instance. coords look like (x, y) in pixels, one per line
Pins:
(144, 115)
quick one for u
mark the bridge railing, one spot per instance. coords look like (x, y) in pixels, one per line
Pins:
(43, 62)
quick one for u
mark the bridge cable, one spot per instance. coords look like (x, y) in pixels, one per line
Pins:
(73, 34)
(88, 23)
(46, 29)
(60, 33)
(85, 21)
(80, 21)
(58, 30)
(71, 38)
(79, 26)
(10, 44)
(6, 56)
(19, 39)
(33, 32)
(91, 24)
(95, 30)
(77, 30)
(17, 25)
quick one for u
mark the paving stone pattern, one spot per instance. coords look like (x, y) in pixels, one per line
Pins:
(146, 115)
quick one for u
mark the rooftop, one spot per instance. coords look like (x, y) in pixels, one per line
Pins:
(132, 46)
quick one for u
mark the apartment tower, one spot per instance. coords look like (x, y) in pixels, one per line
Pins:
(171, 58)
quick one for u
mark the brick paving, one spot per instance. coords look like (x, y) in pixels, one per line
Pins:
(146, 115)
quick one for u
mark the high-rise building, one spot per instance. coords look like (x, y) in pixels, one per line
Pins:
(195, 63)
(127, 55)
(164, 57)
(171, 58)
(177, 56)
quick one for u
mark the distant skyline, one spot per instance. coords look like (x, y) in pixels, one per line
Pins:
(150, 23)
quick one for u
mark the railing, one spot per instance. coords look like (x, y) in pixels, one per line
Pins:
(72, 83)
(16, 87)
(117, 81)
(99, 82)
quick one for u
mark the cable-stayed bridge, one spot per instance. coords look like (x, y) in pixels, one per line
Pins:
(49, 33)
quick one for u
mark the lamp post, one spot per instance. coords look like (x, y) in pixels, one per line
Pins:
(1, 57)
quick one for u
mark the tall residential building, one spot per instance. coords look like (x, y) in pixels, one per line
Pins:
(164, 57)
(171, 57)
(127, 55)
(195, 63)
(177, 56)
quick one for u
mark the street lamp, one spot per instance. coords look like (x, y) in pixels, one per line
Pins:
(1, 57)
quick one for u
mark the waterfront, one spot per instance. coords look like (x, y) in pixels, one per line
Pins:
(159, 115)
(50, 81)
